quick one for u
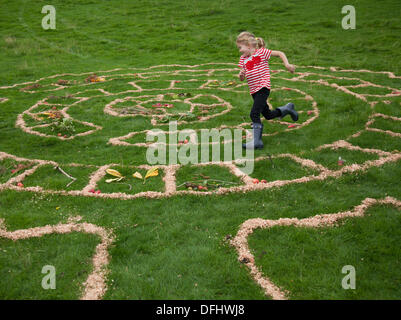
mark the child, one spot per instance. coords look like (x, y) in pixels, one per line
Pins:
(255, 68)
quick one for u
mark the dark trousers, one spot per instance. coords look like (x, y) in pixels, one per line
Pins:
(260, 106)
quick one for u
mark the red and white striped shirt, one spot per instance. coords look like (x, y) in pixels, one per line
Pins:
(256, 69)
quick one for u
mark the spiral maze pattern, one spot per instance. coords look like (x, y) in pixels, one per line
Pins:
(160, 94)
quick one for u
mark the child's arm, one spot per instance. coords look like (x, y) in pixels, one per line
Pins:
(241, 75)
(290, 67)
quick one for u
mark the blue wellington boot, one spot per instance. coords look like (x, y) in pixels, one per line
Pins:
(288, 109)
(256, 142)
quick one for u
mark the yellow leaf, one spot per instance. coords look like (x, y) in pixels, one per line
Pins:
(114, 173)
(152, 172)
(137, 175)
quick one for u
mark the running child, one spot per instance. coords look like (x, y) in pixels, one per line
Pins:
(255, 69)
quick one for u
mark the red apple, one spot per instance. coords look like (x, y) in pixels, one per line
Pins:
(255, 181)
(263, 181)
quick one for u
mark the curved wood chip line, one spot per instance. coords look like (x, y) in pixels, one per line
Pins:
(240, 242)
(95, 285)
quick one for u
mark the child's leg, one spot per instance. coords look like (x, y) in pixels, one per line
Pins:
(268, 114)
(259, 98)
(278, 112)
(259, 105)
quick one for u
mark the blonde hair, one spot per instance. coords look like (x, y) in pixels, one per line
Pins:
(249, 39)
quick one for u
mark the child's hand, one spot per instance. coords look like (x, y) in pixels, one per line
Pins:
(241, 75)
(290, 67)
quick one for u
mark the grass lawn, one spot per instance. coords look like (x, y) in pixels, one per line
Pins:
(161, 61)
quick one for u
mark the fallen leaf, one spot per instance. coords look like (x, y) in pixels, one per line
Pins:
(114, 173)
(114, 179)
(152, 172)
(137, 175)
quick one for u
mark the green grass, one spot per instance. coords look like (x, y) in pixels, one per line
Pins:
(50, 178)
(211, 176)
(309, 261)
(280, 169)
(10, 168)
(174, 248)
(329, 158)
(370, 139)
(22, 262)
(389, 109)
(387, 124)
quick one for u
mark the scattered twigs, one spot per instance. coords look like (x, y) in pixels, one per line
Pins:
(200, 181)
(135, 110)
(130, 187)
(67, 175)
(271, 160)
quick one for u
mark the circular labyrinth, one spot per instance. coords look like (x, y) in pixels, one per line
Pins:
(196, 96)
(175, 100)
(70, 108)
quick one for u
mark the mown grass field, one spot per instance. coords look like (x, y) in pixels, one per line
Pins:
(176, 247)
